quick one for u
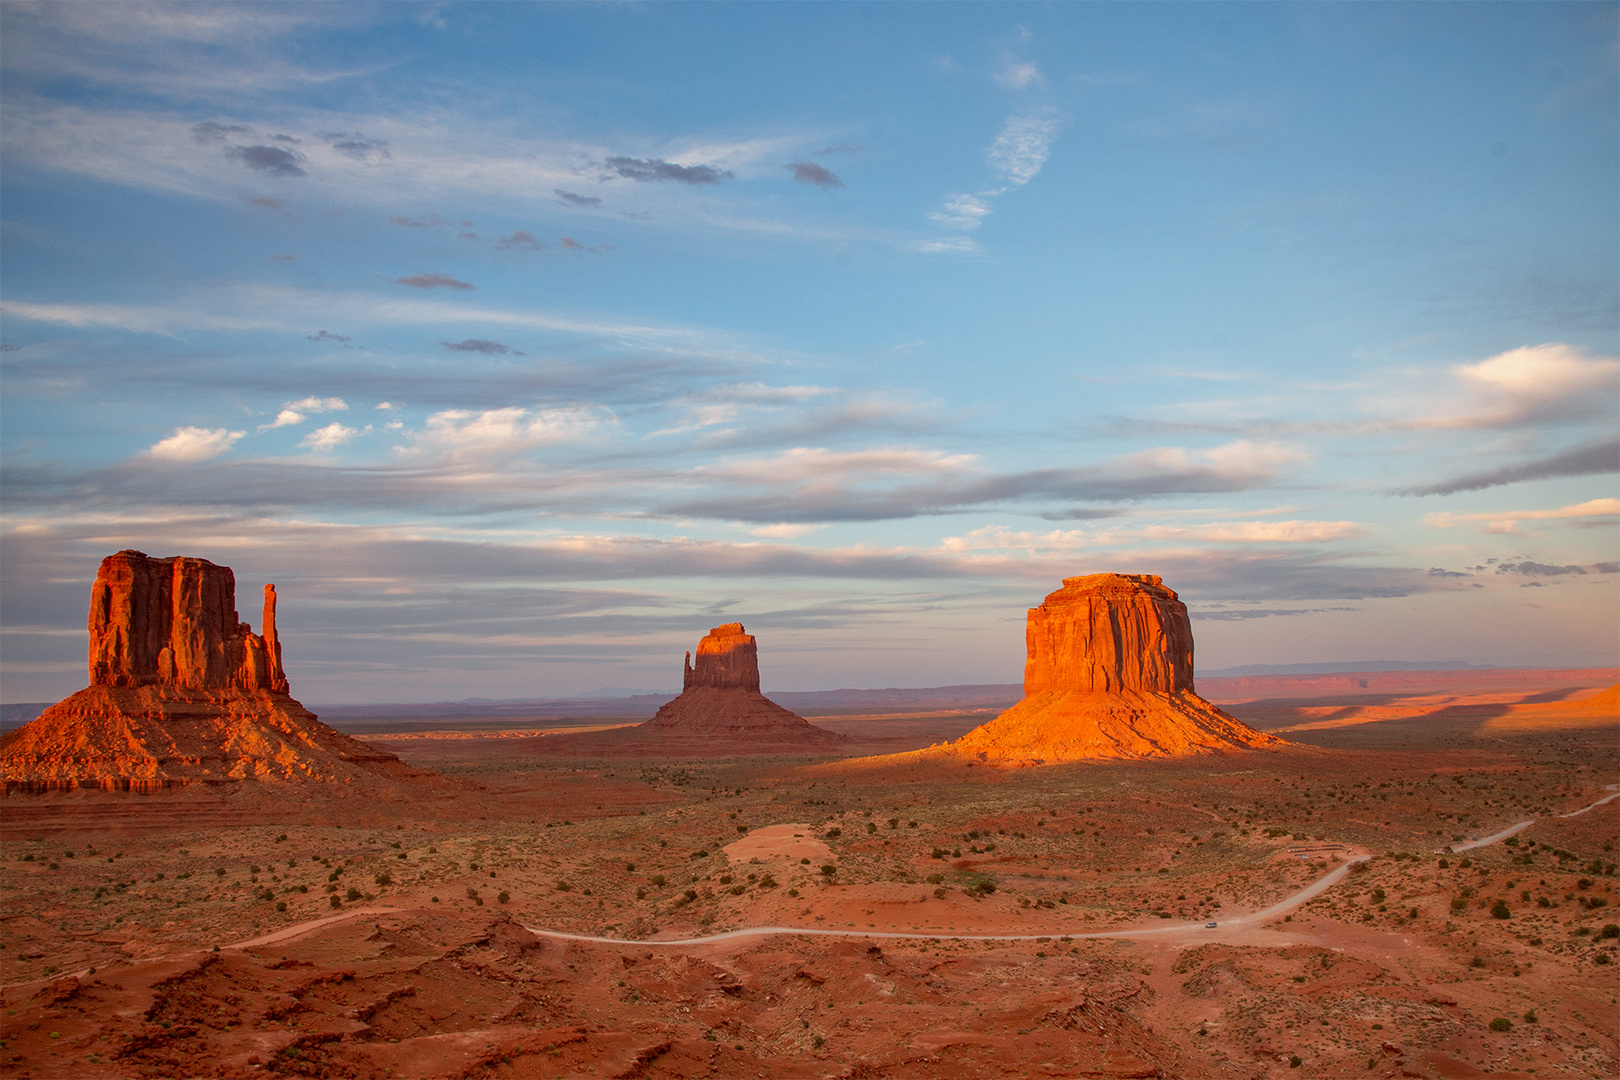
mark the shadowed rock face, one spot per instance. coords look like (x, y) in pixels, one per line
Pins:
(1109, 674)
(181, 693)
(727, 658)
(173, 622)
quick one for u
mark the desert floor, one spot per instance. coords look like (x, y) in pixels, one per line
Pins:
(1042, 921)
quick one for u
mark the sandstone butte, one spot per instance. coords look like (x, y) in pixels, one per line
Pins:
(1108, 674)
(721, 702)
(181, 692)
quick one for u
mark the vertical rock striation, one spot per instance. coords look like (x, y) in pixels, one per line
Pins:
(1109, 674)
(180, 692)
(173, 622)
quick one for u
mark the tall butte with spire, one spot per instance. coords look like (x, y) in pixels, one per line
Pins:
(720, 700)
(1109, 674)
(181, 692)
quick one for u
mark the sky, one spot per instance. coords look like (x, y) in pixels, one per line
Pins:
(519, 345)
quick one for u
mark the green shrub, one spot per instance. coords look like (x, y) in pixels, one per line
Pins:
(1501, 1023)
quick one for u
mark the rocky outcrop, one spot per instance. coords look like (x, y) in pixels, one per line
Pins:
(1108, 674)
(721, 705)
(181, 693)
(727, 659)
(173, 622)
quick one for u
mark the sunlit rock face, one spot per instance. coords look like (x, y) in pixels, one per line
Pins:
(173, 622)
(1106, 633)
(727, 658)
(180, 693)
(721, 703)
(1109, 674)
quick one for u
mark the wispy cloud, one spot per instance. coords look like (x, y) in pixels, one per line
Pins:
(1022, 148)
(1506, 521)
(1019, 75)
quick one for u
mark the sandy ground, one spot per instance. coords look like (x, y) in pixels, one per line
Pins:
(1067, 907)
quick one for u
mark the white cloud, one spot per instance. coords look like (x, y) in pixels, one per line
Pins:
(285, 418)
(461, 434)
(1022, 147)
(330, 437)
(962, 212)
(389, 405)
(1506, 521)
(1540, 382)
(192, 444)
(319, 404)
(1240, 461)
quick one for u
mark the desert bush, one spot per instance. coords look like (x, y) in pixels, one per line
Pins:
(767, 882)
(829, 869)
(1499, 910)
(503, 896)
(334, 901)
(1610, 930)
(935, 879)
(564, 886)
(383, 878)
(1501, 1023)
(657, 880)
(472, 893)
(352, 895)
(281, 905)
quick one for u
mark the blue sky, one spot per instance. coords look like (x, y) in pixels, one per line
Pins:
(519, 345)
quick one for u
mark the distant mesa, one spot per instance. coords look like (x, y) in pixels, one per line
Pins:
(719, 713)
(1109, 674)
(721, 700)
(181, 692)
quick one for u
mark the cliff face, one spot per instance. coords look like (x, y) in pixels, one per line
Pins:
(181, 692)
(1106, 633)
(1109, 674)
(727, 659)
(173, 622)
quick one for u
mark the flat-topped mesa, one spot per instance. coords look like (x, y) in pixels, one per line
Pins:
(157, 622)
(1109, 632)
(1109, 674)
(726, 658)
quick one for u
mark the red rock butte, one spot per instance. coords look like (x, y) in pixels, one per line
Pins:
(181, 692)
(721, 702)
(1109, 674)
